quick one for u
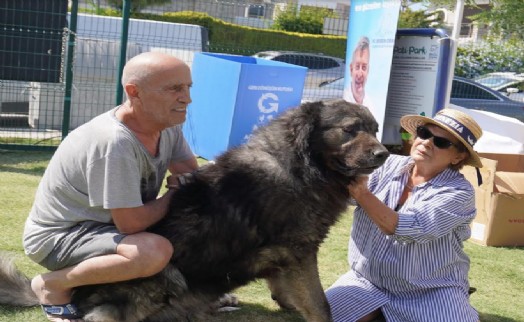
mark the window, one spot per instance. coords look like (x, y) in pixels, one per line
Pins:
(290, 59)
(469, 91)
(255, 11)
(40, 58)
(322, 63)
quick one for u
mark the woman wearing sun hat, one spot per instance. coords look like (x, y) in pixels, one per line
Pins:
(406, 255)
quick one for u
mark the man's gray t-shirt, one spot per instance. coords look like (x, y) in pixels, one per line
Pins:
(101, 165)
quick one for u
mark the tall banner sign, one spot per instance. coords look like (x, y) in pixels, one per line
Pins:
(371, 38)
(418, 79)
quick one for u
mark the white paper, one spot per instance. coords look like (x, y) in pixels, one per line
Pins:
(501, 134)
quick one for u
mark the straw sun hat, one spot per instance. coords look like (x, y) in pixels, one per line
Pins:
(460, 125)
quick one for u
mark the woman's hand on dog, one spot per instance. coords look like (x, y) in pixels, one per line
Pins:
(359, 186)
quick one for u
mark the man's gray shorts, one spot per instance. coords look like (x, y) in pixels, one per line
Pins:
(85, 240)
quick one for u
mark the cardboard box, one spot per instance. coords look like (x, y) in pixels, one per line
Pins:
(499, 200)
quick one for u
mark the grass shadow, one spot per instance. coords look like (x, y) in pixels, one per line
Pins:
(24, 162)
(6, 309)
(19, 313)
(257, 313)
(247, 312)
(486, 317)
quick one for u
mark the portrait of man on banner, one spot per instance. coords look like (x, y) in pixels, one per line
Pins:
(359, 70)
(371, 37)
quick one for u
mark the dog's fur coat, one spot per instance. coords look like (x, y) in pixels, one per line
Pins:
(260, 211)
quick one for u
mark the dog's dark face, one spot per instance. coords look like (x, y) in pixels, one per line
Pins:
(348, 140)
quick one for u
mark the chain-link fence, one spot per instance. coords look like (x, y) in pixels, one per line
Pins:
(42, 40)
(59, 61)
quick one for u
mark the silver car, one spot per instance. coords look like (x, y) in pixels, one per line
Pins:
(508, 83)
(470, 94)
(321, 67)
(464, 92)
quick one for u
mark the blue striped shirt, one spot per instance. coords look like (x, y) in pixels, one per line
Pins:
(420, 273)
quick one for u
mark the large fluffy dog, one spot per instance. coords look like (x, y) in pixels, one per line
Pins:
(260, 211)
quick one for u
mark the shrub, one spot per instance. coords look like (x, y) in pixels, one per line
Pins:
(491, 56)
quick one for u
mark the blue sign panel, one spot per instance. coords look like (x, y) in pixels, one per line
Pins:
(233, 95)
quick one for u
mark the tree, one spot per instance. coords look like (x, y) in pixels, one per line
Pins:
(419, 19)
(505, 17)
(405, 4)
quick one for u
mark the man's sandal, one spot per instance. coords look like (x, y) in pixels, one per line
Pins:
(65, 311)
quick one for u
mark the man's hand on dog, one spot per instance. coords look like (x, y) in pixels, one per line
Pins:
(176, 181)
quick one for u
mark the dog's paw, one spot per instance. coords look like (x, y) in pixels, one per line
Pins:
(227, 302)
(103, 313)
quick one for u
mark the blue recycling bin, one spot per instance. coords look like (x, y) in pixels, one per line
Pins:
(233, 95)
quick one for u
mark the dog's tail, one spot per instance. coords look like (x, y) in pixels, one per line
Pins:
(15, 287)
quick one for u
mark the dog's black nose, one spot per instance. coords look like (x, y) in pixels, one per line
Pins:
(381, 154)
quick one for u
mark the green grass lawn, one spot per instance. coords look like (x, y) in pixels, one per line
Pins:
(497, 273)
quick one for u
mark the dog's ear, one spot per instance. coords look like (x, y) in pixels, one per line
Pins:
(302, 123)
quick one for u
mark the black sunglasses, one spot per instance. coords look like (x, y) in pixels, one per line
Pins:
(442, 143)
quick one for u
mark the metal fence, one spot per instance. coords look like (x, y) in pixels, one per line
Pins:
(60, 67)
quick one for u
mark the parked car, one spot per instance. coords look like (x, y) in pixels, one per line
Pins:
(473, 95)
(326, 90)
(464, 92)
(321, 67)
(509, 83)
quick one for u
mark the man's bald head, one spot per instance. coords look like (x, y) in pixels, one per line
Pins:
(139, 68)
